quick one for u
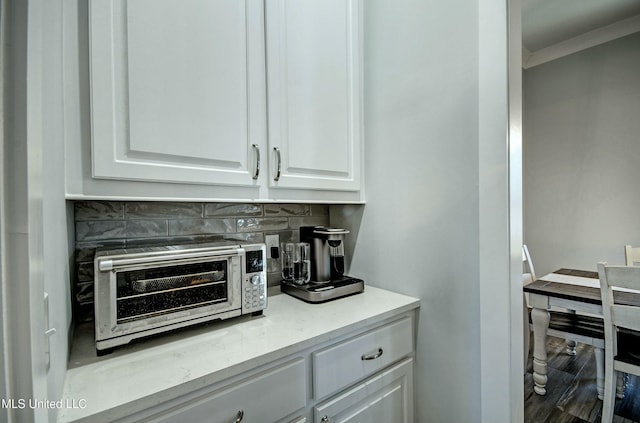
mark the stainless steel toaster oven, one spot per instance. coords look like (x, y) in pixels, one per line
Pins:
(144, 291)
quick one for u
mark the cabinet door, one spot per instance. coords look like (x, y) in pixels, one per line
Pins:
(386, 398)
(177, 90)
(314, 93)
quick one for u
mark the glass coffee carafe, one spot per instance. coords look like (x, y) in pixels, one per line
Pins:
(295, 260)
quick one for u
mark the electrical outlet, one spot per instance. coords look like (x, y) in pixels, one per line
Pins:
(273, 244)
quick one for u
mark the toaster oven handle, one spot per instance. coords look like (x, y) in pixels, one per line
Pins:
(109, 265)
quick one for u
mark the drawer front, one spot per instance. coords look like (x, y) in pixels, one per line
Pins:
(341, 365)
(266, 397)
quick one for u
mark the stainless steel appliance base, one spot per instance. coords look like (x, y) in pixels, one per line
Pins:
(322, 292)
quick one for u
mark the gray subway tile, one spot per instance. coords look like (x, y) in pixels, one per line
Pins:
(85, 251)
(84, 293)
(85, 271)
(296, 222)
(286, 210)
(136, 210)
(171, 240)
(95, 210)
(102, 224)
(232, 210)
(247, 236)
(84, 254)
(274, 279)
(100, 230)
(201, 226)
(285, 236)
(140, 228)
(319, 210)
(262, 224)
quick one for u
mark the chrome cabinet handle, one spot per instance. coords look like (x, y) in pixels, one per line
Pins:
(257, 148)
(239, 416)
(373, 356)
(325, 419)
(279, 161)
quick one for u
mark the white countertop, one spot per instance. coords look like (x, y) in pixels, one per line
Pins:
(160, 368)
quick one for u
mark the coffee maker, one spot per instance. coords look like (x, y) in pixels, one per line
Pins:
(328, 280)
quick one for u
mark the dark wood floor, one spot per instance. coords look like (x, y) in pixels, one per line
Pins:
(571, 390)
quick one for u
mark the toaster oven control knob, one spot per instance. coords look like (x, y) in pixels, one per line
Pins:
(256, 280)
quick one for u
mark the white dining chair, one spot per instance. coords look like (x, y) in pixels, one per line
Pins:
(622, 351)
(528, 272)
(528, 276)
(632, 255)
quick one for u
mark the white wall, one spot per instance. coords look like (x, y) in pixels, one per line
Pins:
(419, 232)
(582, 157)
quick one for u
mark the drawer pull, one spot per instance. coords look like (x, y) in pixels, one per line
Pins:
(239, 416)
(372, 356)
(325, 419)
(257, 172)
(279, 160)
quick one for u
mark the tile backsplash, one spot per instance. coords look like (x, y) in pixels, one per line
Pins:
(119, 224)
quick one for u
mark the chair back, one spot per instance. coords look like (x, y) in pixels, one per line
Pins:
(632, 255)
(621, 323)
(618, 315)
(528, 273)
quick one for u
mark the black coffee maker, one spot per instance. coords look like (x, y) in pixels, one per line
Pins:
(328, 280)
(327, 252)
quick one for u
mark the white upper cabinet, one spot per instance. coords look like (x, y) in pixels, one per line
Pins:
(177, 90)
(314, 92)
(231, 100)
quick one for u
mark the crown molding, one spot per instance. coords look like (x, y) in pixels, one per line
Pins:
(581, 42)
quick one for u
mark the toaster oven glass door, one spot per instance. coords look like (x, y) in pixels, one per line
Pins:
(145, 293)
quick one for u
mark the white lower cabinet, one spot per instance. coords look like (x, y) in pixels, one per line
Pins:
(384, 355)
(385, 398)
(364, 377)
(267, 397)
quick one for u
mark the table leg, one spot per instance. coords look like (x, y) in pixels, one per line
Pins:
(540, 320)
(571, 343)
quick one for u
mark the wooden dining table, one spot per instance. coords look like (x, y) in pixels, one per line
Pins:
(570, 300)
